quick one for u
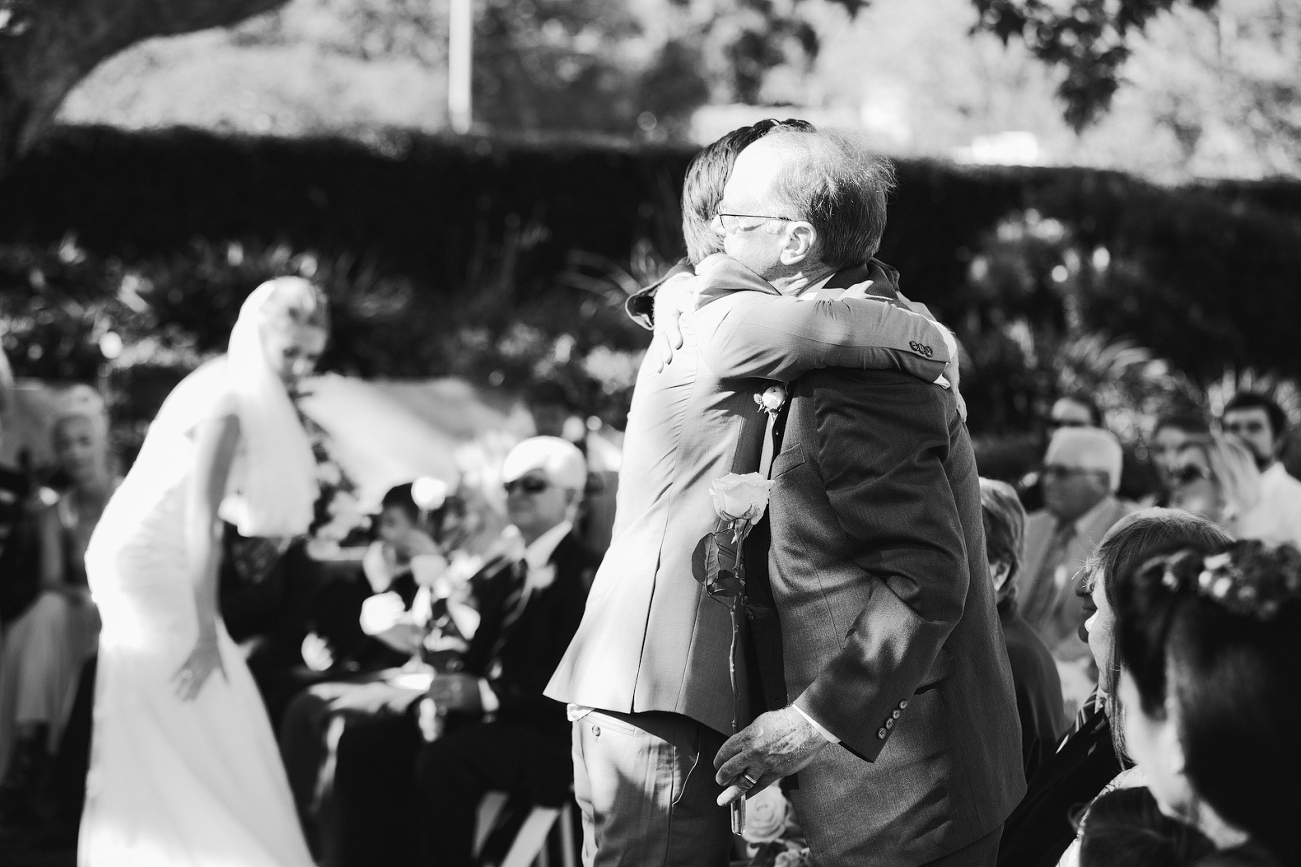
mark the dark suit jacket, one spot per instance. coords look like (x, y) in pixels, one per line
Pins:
(518, 655)
(889, 632)
(1038, 689)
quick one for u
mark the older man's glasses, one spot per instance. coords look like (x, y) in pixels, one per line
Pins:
(1061, 471)
(726, 224)
(526, 485)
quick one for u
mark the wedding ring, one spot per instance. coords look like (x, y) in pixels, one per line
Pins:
(187, 674)
(751, 782)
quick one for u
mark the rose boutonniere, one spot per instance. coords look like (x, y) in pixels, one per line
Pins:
(772, 400)
(717, 563)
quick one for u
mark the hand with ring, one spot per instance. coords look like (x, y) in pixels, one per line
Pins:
(777, 744)
(197, 668)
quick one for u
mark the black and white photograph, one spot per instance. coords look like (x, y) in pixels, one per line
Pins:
(650, 433)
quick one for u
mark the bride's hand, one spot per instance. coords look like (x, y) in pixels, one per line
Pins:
(202, 662)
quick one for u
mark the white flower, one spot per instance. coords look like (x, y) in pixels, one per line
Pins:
(771, 400)
(328, 473)
(740, 498)
(765, 815)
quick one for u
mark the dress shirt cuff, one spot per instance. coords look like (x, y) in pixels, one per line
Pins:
(817, 726)
(487, 697)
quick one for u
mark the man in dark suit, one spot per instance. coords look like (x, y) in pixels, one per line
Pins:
(903, 724)
(400, 797)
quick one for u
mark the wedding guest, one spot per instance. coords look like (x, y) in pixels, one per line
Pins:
(15, 527)
(1080, 477)
(1126, 828)
(184, 766)
(1089, 757)
(1074, 410)
(1038, 688)
(1215, 477)
(1210, 653)
(1261, 424)
(46, 648)
(501, 733)
(1172, 432)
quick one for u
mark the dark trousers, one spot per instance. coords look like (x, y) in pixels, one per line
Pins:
(399, 800)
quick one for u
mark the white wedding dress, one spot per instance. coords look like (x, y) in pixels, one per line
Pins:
(174, 783)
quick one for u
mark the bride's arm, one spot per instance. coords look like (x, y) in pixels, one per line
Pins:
(215, 444)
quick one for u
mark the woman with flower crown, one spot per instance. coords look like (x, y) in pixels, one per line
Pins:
(1210, 652)
(184, 765)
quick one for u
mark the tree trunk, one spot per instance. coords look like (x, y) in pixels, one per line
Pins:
(47, 46)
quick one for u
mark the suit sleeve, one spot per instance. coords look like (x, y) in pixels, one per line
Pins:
(893, 500)
(752, 334)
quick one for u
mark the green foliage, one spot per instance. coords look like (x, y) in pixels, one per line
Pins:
(1087, 39)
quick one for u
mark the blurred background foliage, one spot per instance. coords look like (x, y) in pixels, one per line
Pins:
(125, 254)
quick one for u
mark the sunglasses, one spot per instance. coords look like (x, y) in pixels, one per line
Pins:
(1062, 472)
(1188, 474)
(527, 484)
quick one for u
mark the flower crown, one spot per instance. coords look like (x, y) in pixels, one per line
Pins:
(1250, 580)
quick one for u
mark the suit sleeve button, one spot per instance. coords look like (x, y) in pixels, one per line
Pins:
(881, 734)
(903, 704)
(889, 723)
(895, 714)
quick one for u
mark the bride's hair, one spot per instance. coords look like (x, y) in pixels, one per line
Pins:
(295, 301)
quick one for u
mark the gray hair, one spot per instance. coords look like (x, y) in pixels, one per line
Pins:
(839, 186)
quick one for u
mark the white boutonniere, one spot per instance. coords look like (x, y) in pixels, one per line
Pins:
(772, 400)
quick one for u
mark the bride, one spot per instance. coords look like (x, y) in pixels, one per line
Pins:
(184, 766)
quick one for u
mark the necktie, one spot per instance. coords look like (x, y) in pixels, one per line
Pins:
(1048, 583)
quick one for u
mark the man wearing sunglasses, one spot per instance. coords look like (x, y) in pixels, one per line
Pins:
(1081, 475)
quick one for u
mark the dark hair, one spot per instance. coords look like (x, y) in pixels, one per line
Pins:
(1137, 538)
(707, 174)
(548, 392)
(1256, 400)
(1086, 401)
(1231, 647)
(400, 497)
(1188, 422)
(837, 185)
(1126, 827)
(1004, 519)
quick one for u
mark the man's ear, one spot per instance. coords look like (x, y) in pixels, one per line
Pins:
(800, 238)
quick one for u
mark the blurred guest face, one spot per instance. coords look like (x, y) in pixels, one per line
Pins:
(1069, 413)
(1251, 425)
(393, 525)
(1194, 487)
(1070, 491)
(292, 350)
(534, 505)
(1154, 746)
(79, 448)
(1166, 445)
(1101, 622)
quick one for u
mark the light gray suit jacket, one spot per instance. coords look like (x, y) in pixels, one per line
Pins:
(651, 638)
(1052, 604)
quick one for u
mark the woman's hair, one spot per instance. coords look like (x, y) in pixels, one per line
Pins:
(1004, 519)
(1135, 539)
(1233, 468)
(296, 301)
(1225, 632)
(400, 497)
(1126, 827)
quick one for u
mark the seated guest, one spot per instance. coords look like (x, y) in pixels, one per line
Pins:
(1089, 758)
(1172, 432)
(1126, 828)
(1038, 689)
(1080, 478)
(1215, 477)
(1210, 652)
(1261, 424)
(399, 795)
(46, 648)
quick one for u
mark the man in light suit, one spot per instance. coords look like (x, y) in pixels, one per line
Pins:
(1080, 478)
(647, 674)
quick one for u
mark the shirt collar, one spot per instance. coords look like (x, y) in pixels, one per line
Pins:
(538, 553)
(1083, 521)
